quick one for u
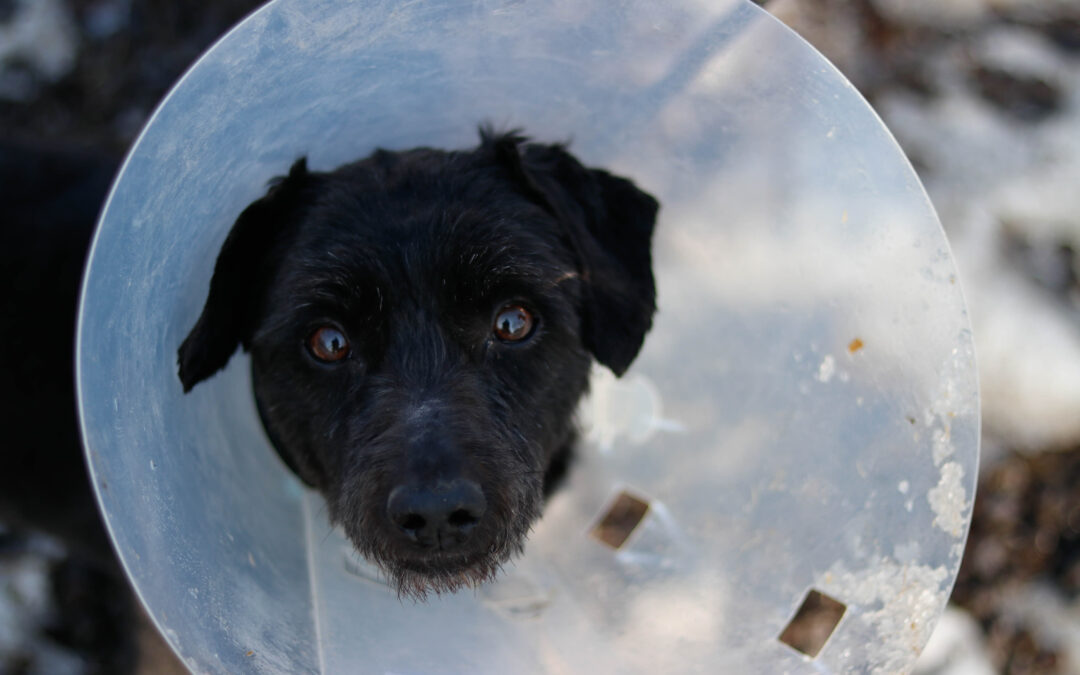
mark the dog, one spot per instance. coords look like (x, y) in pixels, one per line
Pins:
(421, 326)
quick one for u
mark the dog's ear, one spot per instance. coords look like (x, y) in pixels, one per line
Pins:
(609, 223)
(244, 265)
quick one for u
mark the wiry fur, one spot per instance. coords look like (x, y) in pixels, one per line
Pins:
(411, 254)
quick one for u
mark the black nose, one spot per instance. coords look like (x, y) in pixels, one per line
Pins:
(441, 515)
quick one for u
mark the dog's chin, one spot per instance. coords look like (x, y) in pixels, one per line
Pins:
(438, 574)
(415, 573)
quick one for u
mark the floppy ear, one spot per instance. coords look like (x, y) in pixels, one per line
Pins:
(244, 265)
(609, 223)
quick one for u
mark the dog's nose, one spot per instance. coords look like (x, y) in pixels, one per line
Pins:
(437, 516)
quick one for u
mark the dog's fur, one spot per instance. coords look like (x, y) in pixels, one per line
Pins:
(411, 256)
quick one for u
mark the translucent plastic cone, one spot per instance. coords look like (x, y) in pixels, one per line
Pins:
(803, 417)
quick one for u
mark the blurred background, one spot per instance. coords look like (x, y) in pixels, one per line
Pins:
(983, 95)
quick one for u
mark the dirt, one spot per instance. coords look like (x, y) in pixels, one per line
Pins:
(1025, 530)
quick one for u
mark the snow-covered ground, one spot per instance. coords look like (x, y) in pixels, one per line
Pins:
(25, 607)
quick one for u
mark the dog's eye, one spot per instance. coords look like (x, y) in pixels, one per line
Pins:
(328, 344)
(513, 323)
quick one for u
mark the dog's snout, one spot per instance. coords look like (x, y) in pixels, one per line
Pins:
(439, 516)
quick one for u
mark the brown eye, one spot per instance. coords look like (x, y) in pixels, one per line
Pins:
(328, 344)
(513, 323)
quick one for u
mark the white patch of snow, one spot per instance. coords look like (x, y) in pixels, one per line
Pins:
(948, 500)
(902, 602)
(956, 648)
(41, 33)
(827, 368)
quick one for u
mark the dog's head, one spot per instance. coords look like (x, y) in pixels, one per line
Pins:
(421, 326)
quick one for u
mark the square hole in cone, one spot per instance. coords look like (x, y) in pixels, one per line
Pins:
(815, 621)
(620, 519)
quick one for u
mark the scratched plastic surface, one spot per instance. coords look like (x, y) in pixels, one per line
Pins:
(804, 414)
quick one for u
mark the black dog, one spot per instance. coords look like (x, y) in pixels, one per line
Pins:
(421, 326)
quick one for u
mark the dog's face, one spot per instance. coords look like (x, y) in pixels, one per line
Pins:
(421, 326)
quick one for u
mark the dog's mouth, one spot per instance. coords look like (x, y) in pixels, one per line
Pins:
(416, 573)
(441, 573)
(416, 569)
